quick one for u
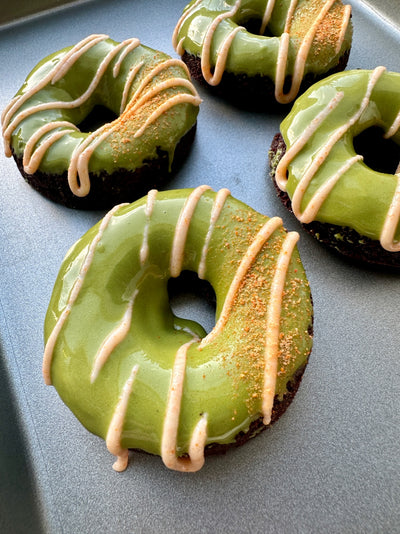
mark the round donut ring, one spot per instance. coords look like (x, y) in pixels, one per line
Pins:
(309, 39)
(326, 180)
(142, 378)
(151, 95)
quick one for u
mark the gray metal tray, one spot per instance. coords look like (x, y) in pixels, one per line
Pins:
(331, 464)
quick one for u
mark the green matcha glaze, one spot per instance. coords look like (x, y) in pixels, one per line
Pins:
(255, 54)
(120, 150)
(224, 378)
(361, 197)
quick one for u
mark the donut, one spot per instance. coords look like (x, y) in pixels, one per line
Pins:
(141, 378)
(259, 52)
(101, 122)
(333, 192)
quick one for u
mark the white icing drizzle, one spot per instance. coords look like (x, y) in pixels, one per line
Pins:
(301, 56)
(297, 146)
(154, 72)
(182, 227)
(79, 166)
(74, 55)
(218, 204)
(69, 59)
(148, 211)
(181, 20)
(78, 171)
(315, 203)
(248, 259)
(114, 433)
(171, 421)
(273, 330)
(116, 336)
(128, 84)
(130, 44)
(222, 55)
(343, 29)
(393, 128)
(31, 159)
(51, 342)
(283, 54)
(313, 207)
(267, 15)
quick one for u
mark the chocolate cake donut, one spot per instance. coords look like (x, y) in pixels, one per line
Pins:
(259, 52)
(101, 122)
(330, 188)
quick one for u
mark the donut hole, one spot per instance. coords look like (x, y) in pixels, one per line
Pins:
(253, 25)
(380, 154)
(192, 298)
(97, 117)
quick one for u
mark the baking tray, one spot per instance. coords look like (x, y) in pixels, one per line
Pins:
(331, 464)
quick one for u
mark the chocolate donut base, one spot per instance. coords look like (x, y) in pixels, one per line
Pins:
(253, 92)
(342, 239)
(107, 190)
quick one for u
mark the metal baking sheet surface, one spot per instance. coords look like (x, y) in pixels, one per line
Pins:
(331, 464)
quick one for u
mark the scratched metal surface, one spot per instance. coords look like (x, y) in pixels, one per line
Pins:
(331, 464)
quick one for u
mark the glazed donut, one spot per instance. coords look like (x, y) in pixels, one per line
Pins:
(154, 107)
(227, 45)
(142, 378)
(338, 198)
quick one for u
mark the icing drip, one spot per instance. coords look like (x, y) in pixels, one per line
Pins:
(78, 170)
(144, 250)
(79, 166)
(171, 421)
(215, 212)
(113, 339)
(114, 433)
(181, 230)
(273, 318)
(170, 103)
(301, 56)
(260, 239)
(222, 55)
(269, 342)
(178, 46)
(69, 59)
(322, 193)
(283, 54)
(60, 104)
(128, 84)
(343, 29)
(32, 158)
(393, 129)
(391, 222)
(51, 342)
